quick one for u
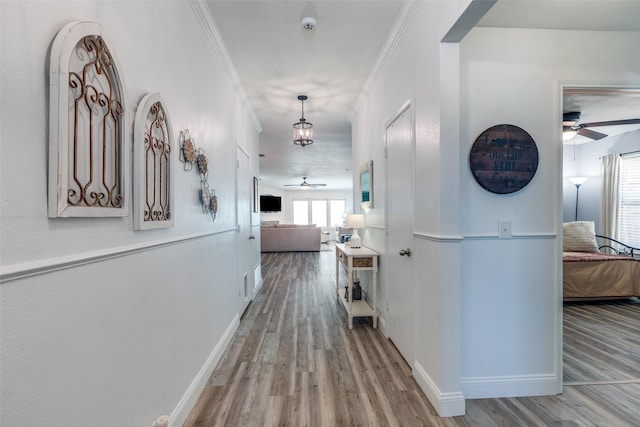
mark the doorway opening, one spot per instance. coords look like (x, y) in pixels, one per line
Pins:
(597, 123)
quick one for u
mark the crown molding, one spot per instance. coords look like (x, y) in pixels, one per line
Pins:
(405, 17)
(203, 13)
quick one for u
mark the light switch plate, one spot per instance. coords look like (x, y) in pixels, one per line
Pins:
(505, 229)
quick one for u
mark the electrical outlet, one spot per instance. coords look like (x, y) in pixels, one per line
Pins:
(505, 229)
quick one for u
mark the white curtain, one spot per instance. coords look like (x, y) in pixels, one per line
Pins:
(610, 203)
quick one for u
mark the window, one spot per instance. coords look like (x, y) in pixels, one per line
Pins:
(300, 212)
(629, 221)
(321, 212)
(337, 208)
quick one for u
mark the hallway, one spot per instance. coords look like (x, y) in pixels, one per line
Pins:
(294, 362)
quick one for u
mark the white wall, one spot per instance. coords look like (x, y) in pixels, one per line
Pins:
(587, 163)
(511, 289)
(412, 72)
(102, 325)
(488, 311)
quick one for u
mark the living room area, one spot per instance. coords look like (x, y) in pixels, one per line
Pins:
(302, 219)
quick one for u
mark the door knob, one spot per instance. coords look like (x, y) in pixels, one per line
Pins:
(404, 252)
(251, 237)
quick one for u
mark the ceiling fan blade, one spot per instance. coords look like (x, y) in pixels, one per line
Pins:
(611, 123)
(591, 134)
(291, 185)
(318, 185)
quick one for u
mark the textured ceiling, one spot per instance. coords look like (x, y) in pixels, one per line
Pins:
(276, 60)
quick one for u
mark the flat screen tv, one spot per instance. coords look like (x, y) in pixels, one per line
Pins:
(270, 203)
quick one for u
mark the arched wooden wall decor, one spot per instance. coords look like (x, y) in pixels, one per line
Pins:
(88, 126)
(152, 165)
(503, 159)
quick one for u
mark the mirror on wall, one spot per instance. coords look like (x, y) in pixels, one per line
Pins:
(366, 185)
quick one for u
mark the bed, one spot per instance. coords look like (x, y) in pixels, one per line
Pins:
(590, 271)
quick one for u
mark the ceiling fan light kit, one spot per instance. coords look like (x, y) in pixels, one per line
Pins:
(304, 184)
(302, 130)
(571, 127)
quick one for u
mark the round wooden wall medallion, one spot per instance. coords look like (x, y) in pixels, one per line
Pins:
(503, 159)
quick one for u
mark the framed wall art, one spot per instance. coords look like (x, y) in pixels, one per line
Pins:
(366, 185)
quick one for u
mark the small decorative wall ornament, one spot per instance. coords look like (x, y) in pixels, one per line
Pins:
(203, 165)
(187, 150)
(152, 168)
(204, 196)
(190, 155)
(88, 126)
(503, 159)
(208, 198)
(213, 208)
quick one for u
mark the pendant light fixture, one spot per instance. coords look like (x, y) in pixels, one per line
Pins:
(303, 130)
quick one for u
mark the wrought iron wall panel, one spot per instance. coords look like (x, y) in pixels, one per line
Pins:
(88, 149)
(153, 165)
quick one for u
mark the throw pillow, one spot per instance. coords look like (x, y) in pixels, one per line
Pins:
(579, 236)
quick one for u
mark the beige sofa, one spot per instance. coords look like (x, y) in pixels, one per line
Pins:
(289, 238)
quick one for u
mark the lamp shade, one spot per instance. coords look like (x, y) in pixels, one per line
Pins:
(578, 180)
(355, 221)
(568, 134)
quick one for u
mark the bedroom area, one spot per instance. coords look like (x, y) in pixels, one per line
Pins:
(601, 236)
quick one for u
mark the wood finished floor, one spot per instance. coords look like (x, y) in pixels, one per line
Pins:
(602, 342)
(294, 362)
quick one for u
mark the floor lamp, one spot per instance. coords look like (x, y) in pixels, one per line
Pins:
(577, 181)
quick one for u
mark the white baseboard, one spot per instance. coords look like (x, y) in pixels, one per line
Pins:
(446, 404)
(511, 386)
(382, 325)
(180, 413)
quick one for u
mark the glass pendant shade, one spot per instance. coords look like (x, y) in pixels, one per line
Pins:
(302, 133)
(302, 130)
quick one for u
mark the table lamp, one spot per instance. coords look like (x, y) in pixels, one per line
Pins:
(355, 221)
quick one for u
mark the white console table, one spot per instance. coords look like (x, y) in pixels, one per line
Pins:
(356, 259)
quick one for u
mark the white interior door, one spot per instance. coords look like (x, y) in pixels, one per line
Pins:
(400, 182)
(243, 199)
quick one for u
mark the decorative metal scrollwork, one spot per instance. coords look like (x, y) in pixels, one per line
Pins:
(88, 161)
(97, 112)
(153, 193)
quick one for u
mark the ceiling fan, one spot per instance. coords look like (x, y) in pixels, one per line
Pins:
(305, 184)
(570, 124)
